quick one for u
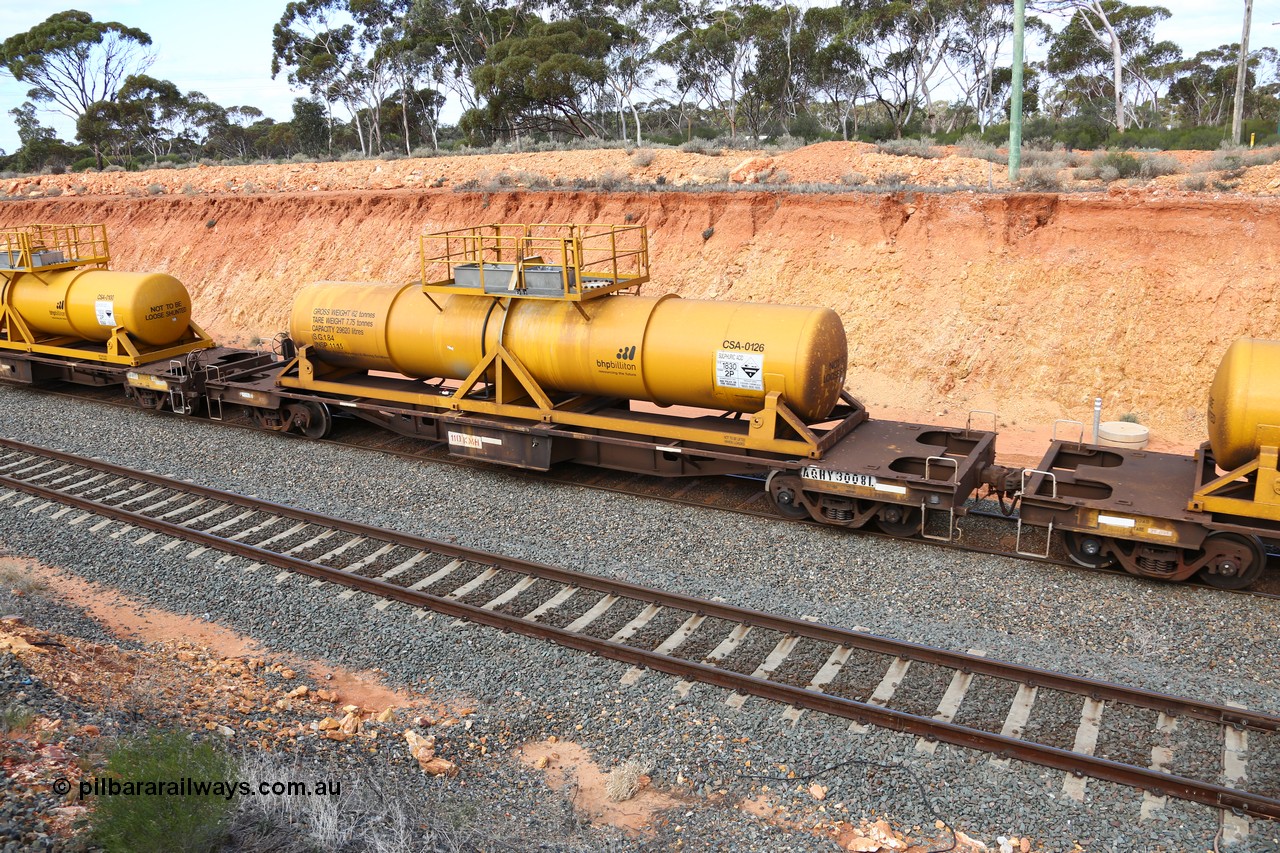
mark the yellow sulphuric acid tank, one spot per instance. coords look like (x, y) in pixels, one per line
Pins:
(1245, 396)
(667, 350)
(153, 308)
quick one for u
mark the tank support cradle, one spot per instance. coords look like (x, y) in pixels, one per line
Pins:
(1252, 490)
(119, 348)
(509, 390)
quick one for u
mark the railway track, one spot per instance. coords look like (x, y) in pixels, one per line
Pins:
(728, 494)
(1218, 755)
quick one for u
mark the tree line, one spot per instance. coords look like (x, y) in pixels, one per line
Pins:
(375, 76)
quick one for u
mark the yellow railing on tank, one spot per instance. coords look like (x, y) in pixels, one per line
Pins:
(546, 260)
(29, 248)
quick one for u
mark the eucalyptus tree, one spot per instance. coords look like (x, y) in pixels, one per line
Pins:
(630, 62)
(156, 113)
(471, 28)
(73, 63)
(907, 43)
(833, 66)
(712, 48)
(413, 46)
(37, 141)
(317, 50)
(330, 47)
(1101, 39)
(540, 80)
(774, 84)
(1203, 86)
(983, 30)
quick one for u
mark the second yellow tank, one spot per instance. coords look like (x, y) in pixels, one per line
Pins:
(667, 350)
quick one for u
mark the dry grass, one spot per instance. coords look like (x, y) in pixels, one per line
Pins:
(625, 780)
(923, 148)
(370, 815)
(20, 581)
(15, 720)
(1041, 180)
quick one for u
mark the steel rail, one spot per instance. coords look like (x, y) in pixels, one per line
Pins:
(1018, 673)
(1066, 760)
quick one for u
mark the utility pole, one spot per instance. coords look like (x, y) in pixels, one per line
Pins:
(1015, 91)
(1242, 71)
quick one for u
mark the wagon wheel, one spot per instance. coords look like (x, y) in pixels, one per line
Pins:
(784, 494)
(194, 405)
(1235, 560)
(1086, 550)
(311, 418)
(899, 520)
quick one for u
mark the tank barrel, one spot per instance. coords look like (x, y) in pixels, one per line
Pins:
(1244, 402)
(665, 350)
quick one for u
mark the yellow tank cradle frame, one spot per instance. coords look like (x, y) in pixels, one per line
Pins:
(1233, 493)
(39, 249)
(569, 263)
(509, 391)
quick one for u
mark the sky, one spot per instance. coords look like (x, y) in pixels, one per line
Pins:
(223, 48)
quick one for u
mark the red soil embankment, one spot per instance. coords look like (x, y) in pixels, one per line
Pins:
(1028, 305)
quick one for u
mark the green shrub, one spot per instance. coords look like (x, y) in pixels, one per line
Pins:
(972, 145)
(1153, 166)
(532, 180)
(15, 718)
(1195, 183)
(1041, 180)
(910, 148)
(1125, 165)
(1225, 159)
(164, 822)
(613, 179)
(1088, 170)
(699, 146)
(1039, 159)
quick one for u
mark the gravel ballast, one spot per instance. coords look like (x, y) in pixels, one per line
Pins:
(1200, 643)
